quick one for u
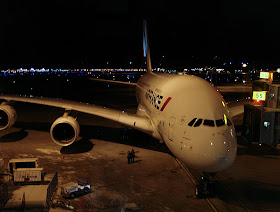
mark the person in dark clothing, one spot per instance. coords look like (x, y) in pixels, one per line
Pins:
(128, 157)
(132, 155)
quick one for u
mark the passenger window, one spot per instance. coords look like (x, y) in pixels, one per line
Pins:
(210, 123)
(192, 122)
(229, 122)
(198, 122)
(220, 122)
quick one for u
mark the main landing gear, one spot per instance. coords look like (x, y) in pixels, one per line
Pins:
(204, 188)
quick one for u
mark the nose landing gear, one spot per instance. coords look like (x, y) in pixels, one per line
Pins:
(204, 188)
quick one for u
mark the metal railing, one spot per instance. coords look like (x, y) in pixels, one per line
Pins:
(3, 195)
(51, 190)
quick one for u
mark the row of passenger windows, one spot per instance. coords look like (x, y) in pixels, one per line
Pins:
(197, 122)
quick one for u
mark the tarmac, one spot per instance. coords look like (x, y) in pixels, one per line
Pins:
(155, 182)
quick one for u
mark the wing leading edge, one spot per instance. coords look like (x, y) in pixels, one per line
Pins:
(114, 82)
(138, 122)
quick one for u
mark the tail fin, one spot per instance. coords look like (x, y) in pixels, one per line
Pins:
(146, 48)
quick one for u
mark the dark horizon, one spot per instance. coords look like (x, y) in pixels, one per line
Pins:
(108, 33)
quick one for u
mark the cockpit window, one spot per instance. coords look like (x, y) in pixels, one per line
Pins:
(220, 122)
(198, 122)
(192, 122)
(206, 122)
(210, 123)
(229, 122)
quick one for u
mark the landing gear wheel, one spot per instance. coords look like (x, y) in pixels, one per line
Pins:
(198, 191)
(86, 190)
(204, 188)
(72, 196)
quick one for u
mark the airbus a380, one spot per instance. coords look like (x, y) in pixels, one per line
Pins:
(184, 111)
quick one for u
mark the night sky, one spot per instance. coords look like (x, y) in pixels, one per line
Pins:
(88, 34)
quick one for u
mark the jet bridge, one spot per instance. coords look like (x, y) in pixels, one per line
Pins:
(261, 122)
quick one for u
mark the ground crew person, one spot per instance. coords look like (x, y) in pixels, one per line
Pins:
(128, 157)
(132, 155)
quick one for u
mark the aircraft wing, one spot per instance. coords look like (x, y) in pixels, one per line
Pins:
(236, 107)
(114, 81)
(135, 121)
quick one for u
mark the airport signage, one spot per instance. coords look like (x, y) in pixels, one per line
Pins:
(259, 95)
(266, 75)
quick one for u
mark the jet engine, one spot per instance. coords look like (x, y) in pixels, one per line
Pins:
(65, 130)
(8, 116)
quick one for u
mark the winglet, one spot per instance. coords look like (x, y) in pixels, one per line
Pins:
(146, 48)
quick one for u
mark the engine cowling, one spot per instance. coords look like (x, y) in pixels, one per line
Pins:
(65, 130)
(8, 116)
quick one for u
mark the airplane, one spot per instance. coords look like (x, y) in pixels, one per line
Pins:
(185, 112)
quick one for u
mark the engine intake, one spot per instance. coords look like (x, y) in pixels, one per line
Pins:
(8, 116)
(65, 130)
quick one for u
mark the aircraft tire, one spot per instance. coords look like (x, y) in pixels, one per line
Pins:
(72, 195)
(86, 190)
(198, 191)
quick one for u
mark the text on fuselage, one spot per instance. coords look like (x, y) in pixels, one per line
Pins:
(154, 98)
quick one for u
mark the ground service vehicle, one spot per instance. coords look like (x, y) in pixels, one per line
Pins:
(74, 189)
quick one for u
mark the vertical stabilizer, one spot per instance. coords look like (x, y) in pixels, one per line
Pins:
(146, 48)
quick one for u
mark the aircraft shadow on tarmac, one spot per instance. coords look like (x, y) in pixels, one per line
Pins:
(257, 150)
(259, 196)
(117, 135)
(81, 146)
(14, 136)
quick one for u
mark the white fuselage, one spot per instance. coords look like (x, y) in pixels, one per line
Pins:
(171, 102)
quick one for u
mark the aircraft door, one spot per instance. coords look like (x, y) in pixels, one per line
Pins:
(172, 121)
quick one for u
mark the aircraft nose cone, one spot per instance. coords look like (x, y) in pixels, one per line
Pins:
(217, 152)
(222, 152)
